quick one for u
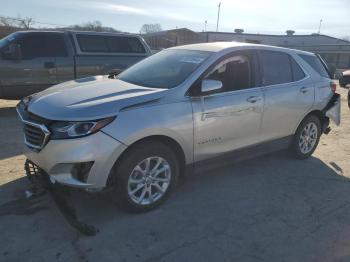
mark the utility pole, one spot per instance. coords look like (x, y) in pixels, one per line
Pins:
(217, 21)
(319, 27)
(205, 26)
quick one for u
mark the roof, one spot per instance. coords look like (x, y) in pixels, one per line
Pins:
(169, 31)
(221, 46)
(281, 37)
(212, 46)
(273, 35)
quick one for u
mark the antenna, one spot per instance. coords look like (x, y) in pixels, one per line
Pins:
(319, 27)
(217, 21)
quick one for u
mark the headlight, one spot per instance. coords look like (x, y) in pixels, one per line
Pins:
(62, 130)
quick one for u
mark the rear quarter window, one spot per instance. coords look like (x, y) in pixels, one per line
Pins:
(316, 64)
(298, 73)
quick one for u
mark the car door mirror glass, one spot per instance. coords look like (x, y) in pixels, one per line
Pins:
(209, 85)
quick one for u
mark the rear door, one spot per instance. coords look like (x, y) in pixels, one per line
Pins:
(322, 79)
(35, 71)
(288, 91)
(101, 53)
(231, 117)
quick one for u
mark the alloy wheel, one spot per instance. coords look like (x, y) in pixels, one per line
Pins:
(149, 180)
(308, 138)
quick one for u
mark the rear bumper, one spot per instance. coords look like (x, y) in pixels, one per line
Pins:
(62, 160)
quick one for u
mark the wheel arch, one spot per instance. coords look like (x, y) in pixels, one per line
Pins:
(168, 141)
(316, 112)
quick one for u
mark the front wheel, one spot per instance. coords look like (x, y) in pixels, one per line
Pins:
(307, 137)
(145, 177)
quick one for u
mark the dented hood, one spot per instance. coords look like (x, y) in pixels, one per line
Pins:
(90, 98)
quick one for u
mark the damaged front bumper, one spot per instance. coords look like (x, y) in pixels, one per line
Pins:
(83, 162)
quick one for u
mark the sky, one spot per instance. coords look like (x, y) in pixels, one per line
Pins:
(254, 16)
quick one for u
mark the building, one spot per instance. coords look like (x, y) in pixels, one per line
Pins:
(168, 38)
(336, 52)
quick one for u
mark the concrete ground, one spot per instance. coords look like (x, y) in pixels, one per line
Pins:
(272, 208)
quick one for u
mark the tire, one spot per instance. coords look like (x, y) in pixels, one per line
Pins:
(131, 173)
(304, 144)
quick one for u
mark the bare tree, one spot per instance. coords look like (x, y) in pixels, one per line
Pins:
(25, 22)
(92, 26)
(5, 21)
(9, 25)
(150, 28)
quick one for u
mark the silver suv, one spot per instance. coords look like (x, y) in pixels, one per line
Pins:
(187, 106)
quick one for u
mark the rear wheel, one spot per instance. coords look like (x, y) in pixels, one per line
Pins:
(307, 137)
(145, 177)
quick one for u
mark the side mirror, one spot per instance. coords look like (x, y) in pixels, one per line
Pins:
(13, 53)
(210, 85)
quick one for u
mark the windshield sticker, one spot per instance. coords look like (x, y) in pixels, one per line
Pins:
(193, 60)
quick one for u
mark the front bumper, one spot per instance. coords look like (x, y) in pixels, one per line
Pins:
(59, 159)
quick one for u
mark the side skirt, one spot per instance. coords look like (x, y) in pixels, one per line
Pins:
(241, 154)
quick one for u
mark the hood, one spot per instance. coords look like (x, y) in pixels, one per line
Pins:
(89, 99)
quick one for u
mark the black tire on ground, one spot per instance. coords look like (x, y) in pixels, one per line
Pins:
(123, 170)
(295, 147)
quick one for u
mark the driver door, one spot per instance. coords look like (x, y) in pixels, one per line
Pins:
(229, 118)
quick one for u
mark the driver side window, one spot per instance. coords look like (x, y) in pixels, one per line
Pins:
(235, 73)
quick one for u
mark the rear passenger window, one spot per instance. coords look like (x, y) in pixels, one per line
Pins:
(298, 73)
(276, 68)
(56, 45)
(316, 64)
(109, 44)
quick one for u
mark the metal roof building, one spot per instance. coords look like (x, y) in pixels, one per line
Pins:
(336, 52)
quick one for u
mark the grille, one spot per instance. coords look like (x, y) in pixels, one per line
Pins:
(36, 134)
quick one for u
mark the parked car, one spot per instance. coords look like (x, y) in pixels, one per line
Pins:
(31, 61)
(344, 78)
(187, 106)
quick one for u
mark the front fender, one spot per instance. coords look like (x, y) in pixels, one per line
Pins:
(172, 120)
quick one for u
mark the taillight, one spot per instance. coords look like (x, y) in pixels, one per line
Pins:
(333, 87)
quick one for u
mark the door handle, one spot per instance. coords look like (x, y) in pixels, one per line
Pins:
(253, 99)
(49, 65)
(304, 89)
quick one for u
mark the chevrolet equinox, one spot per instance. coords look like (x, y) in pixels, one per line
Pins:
(185, 106)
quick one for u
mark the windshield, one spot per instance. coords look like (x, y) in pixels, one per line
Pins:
(4, 41)
(166, 69)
